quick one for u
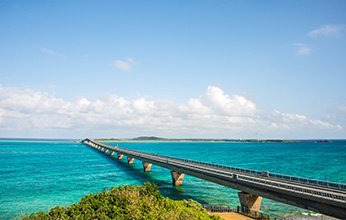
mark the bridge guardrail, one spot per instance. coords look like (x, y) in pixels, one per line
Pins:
(309, 191)
(287, 186)
(282, 185)
(307, 181)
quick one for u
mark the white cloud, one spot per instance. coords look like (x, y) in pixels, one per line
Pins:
(327, 31)
(213, 114)
(234, 105)
(195, 106)
(143, 106)
(287, 117)
(124, 65)
(302, 49)
(52, 53)
(292, 121)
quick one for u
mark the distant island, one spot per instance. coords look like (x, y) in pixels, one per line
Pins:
(160, 139)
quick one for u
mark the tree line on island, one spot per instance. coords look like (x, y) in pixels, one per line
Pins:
(153, 138)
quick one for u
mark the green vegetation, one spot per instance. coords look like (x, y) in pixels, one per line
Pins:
(152, 138)
(149, 138)
(128, 202)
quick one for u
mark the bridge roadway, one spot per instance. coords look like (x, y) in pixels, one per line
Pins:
(320, 196)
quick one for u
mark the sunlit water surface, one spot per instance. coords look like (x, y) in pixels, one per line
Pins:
(38, 175)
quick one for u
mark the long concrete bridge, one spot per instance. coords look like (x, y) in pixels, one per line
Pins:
(320, 196)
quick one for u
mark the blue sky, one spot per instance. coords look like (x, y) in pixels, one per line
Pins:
(233, 69)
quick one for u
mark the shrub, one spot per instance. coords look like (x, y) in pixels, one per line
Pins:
(127, 202)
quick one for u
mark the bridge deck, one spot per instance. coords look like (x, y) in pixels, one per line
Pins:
(321, 196)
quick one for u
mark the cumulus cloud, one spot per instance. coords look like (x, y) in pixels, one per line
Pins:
(327, 31)
(123, 65)
(52, 53)
(302, 49)
(213, 114)
(293, 121)
(234, 105)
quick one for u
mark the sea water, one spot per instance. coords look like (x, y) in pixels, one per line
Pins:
(38, 175)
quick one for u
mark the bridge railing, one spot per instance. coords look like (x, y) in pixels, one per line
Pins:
(295, 188)
(272, 183)
(246, 178)
(306, 181)
(188, 162)
(309, 181)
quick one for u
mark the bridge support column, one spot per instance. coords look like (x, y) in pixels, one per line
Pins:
(146, 166)
(120, 156)
(130, 160)
(112, 153)
(107, 151)
(250, 204)
(177, 178)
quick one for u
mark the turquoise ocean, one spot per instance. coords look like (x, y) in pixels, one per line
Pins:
(38, 175)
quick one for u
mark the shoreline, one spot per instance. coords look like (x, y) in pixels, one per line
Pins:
(230, 215)
(200, 140)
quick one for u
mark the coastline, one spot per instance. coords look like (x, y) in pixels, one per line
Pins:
(230, 215)
(189, 140)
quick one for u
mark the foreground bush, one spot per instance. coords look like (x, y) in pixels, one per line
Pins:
(127, 202)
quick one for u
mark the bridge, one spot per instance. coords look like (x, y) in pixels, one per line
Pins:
(325, 197)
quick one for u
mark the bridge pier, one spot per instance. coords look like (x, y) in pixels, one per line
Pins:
(130, 160)
(177, 178)
(120, 156)
(146, 166)
(107, 151)
(325, 197)
(250, 204)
